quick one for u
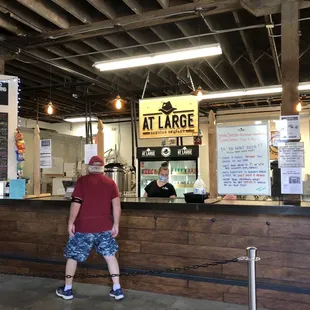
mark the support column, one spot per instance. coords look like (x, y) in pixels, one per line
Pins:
(212, 156)
(290, 66)
(290, 56)
(100, 140)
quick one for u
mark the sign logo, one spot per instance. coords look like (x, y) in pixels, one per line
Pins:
(148, 153)
(166, 151)
(185, 151)
(172, 117)
(3, 87)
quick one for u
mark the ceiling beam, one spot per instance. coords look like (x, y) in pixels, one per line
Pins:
(75, 9)
(83, 64)
(226, 48)
(247, 43)
(11, 25)
(19, 13)
(103, 7)
(187, 30)
(274, 51)
(122, 80)
(127, 23)
(267, 7)
(134, 5)
(164, 3)
(46, 10)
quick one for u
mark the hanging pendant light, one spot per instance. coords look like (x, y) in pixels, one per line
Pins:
(50, 108)
(199, 92)
(299, 107)
(118, 102)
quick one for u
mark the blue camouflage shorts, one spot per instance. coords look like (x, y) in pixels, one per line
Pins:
(79, 246)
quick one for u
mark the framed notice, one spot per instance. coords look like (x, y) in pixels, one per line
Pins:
(243, 160)
(168, 117)
(3, 146)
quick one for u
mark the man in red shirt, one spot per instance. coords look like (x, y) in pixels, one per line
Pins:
(91, 225)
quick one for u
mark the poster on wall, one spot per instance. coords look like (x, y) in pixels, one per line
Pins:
(243, 160)
(291, 181)
(291, 155)
(3, 146)
(168, 117)
(46, 153)
(4, 93)
(290, 127)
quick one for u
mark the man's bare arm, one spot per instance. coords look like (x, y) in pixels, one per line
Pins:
(116, 204)
(74, 212)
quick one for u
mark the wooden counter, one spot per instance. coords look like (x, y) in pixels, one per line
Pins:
(33, 234)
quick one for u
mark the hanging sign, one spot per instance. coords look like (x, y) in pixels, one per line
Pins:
(4, 93)
(168, 117)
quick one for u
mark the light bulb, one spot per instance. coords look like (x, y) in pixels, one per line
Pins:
(299, 107)
(118, 104)
(199, 95)
(50, 109)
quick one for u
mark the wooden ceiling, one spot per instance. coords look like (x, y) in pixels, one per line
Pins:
(52, 44)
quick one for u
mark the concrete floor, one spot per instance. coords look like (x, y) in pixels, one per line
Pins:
(37, 294)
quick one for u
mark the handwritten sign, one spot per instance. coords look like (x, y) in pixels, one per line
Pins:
(243, 160)
(291, 155)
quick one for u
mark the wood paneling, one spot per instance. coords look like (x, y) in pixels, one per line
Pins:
(177, 237)
(161, 240)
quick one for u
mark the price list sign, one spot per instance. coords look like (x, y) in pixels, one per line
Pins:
(3, 146)
(243, 160)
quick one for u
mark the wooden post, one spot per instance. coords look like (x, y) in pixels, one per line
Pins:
(100, 140)
(290, 56)
(36, 162)
(290, 66)
(212, 156)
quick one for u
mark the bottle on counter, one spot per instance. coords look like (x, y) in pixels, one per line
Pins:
(199, 186)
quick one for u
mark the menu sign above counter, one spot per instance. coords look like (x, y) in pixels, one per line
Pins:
(168, 117)
(4, 93)
(243, 160)
(3, 146)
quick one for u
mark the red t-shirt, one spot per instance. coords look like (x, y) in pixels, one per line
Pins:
(96, 192)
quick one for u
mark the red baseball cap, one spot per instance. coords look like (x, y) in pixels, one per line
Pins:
(96, 161)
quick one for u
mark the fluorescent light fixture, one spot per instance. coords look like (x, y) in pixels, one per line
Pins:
(251, 92)
(80, 119)
(158, 58)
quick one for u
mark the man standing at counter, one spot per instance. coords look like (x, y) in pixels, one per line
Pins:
(90, 225)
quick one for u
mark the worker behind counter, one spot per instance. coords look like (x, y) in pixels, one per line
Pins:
(161, 187)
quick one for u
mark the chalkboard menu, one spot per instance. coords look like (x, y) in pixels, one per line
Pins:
(4, 93)
(243, 160)
(3, 146)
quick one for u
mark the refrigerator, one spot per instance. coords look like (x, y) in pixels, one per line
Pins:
(182, 164)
